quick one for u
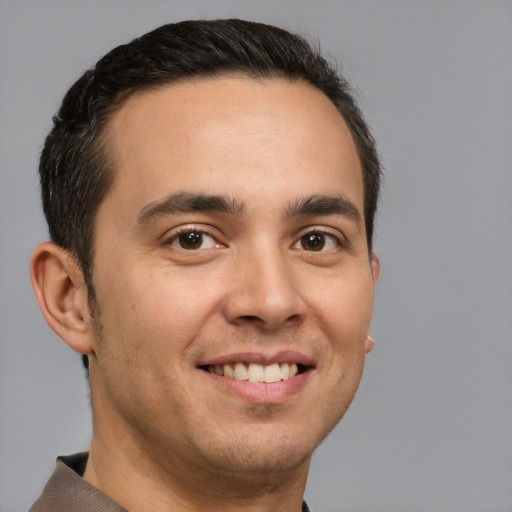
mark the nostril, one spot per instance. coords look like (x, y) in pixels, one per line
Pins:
(251, 318)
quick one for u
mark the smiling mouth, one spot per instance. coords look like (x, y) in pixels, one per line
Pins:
(254, 372)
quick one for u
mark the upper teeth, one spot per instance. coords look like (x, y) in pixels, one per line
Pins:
(254, 372)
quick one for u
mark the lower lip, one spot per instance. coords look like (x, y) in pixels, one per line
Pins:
(261, 392)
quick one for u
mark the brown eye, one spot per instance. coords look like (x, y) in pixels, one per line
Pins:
(193, 240)
(313, 241)
(190, 240)
(317, 241)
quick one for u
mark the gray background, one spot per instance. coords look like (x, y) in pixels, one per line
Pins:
(431, 427)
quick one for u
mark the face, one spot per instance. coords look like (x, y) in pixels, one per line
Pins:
(230, 250)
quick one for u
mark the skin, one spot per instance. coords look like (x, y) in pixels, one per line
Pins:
(166, 432)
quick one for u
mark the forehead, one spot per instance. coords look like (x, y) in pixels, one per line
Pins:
(208, 135)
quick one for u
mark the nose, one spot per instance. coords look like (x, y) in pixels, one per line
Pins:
(264, 292)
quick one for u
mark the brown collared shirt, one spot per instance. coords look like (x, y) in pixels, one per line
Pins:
(67, 491)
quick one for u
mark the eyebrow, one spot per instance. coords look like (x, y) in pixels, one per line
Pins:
(324, 205)
(184, 202)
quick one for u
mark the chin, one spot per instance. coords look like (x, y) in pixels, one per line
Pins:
(263, 450)
(250, 460)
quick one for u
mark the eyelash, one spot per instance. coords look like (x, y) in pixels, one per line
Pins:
(326, 238)
(174, 240)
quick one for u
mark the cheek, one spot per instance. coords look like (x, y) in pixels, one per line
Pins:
(344, 306)
(343, 312)
(146, 327)
(155, 315)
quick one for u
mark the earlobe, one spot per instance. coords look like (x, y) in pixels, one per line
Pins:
(62, 295)
(369, 344)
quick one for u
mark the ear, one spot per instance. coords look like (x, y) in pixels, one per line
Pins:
(61, 293)
(369, 344)
(375, 267)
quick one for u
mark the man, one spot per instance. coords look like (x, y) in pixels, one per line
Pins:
(210, 190)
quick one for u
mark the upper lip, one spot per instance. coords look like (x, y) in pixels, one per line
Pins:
(283, 356)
